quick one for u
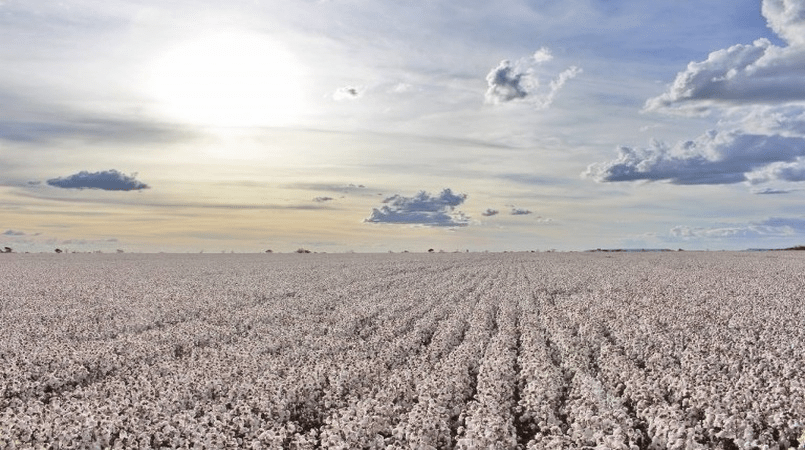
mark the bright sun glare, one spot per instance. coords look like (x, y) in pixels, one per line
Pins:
(228, 79)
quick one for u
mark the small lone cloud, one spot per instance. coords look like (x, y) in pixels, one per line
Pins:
(323, 199)
(520, 212)
(108, 180)
(402, 88)
(13, 233)
(348, 93)
(505, 83)
(543, 55)
(422, 209)
(512, 81)
(490, 212)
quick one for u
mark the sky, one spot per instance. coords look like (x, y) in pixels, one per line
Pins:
(375, 126)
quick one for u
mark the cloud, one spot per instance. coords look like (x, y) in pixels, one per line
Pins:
(13, 233)
(791, 172)
(343, 189)
(543, 55)
(348, 93)
(758, 92)
(422, 209)
(531, 179)
(323, 199)
(520, 212)
(490, 212)
(787, 19)
(770, 227)
(757, 73)
(713, 158)
(684, 232)
(402, 88)
(518, 81)
(794, 224)
(33, 121)
(785, 119)
(771, 191)
(505, 83)
(108, 180)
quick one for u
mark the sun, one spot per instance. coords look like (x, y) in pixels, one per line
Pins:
(228, 79)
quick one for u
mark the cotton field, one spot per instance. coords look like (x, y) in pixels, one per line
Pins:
(683, 350)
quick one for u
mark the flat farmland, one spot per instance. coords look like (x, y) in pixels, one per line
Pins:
(681, 350)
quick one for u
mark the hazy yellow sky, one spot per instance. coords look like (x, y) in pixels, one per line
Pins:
(376, 126)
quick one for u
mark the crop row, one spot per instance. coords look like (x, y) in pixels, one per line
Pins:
(437, 351)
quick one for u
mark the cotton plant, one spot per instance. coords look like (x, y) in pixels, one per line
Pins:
(537, 351)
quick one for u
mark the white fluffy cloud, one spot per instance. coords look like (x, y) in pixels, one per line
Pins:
(518, 80)
(713, 158)
(785, 119)
(757, 73)
(422, 209)
(791, 172)
(787, 19)
(758, 93)
(543, 55)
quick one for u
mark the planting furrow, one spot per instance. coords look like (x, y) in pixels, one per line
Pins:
(488, 418)
(442, 393)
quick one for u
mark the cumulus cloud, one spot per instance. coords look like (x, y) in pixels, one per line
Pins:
(785, 119)
(348, 93)
(757, 90)
(505, 83)
(792, 172)
(787, 19)
(520, 212)
(108, 180)
(789, 172)
(543, 55)
(713, 158)
(757, 73)
(490, 212)
(511, 81)
(422, 209)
